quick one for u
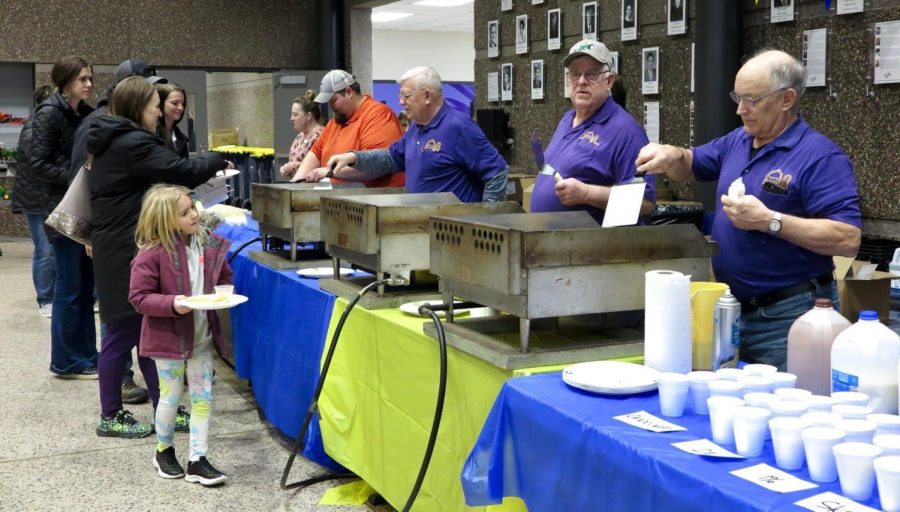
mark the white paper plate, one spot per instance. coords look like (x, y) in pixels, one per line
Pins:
(320, 272)
(412, 308)
(227, 173)
(611, 377)
(213, 301)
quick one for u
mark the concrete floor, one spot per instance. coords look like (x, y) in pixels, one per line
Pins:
(51, 458)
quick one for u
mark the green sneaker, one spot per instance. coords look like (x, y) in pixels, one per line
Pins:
(124, 425)
(182, 420)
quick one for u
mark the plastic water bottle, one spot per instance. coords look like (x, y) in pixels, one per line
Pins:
(809, 346)
(865, 358)
(894, 267)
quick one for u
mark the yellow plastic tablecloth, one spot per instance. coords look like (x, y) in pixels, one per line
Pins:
(378, 402)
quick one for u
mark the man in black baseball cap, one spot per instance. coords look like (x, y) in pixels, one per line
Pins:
(137, 67)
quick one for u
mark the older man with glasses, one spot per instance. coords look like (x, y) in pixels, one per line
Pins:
(787, 203)
(443, 150)
(595, 144)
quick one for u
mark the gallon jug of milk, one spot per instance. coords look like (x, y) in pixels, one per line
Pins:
(864, 358)
(809, 346)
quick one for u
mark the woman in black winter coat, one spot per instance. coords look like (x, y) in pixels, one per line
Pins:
(128, 158)
(73, 352)
(173, 105)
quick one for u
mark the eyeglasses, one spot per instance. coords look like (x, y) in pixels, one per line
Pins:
(753, 101)
(591, 76)
(405, 96)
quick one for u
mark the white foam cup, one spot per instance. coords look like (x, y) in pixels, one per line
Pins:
(729, 373)
(858, 431)
(788, 408)
(760, 369)
(699, 381)
(721, 414)
(726, 388)
(782, 380)
(787, 442)
(887, 474)
(224, 289)
(851, 397)
(817, 443)
(852, 412)
(821, 418)
(755, 383)
(855, 468)
(762, 400)
(750, 427)
(821, 403)
(673, 393)
(797, 395)
(889, 444)
(886, 423)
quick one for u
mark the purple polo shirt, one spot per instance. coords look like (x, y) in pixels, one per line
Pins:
(817, 179)
(449, 154)
(599, 151)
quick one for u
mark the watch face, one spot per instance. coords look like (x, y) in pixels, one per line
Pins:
(774, 225)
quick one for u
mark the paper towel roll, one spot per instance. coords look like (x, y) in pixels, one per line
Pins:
(667, 321)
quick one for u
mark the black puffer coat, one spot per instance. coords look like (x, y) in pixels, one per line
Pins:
(128, 160)
(28, 194)
(52, 136)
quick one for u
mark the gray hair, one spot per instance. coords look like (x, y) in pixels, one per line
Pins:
(787, 72)
(424, 78)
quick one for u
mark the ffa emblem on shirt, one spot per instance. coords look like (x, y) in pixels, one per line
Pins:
(777, 182)
(433, 145)
(592, 138)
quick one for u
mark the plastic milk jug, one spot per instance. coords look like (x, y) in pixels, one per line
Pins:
(864, 358)
(809, 346)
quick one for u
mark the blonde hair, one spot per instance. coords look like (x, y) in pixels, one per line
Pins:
(158, 222)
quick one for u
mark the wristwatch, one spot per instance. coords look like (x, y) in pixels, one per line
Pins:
(775, 224)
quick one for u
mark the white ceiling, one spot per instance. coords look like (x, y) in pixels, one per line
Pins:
(434, 19)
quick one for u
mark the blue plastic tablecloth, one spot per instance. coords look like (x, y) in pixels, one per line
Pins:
(559, 448)
(278, 338)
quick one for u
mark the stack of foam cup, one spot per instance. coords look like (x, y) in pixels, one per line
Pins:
(760, 369)
(755, 383)
(788, 408)
(821, 403)
(721, 387)
(851, 397)
(858, 431)
(782, 380)
(889, 443)
(821, 418)
(885, 423)
(852, 412)
(797, 395)
(761, 400)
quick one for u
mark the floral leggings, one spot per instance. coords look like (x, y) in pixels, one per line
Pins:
(171, 372)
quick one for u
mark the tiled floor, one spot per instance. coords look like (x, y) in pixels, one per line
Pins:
(51, 459)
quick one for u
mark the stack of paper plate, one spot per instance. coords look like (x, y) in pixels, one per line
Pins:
(611, 377)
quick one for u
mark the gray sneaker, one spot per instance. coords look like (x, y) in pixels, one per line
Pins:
(134, 394)
(46, 310)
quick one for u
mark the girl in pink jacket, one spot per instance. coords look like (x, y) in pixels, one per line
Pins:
(177, 258)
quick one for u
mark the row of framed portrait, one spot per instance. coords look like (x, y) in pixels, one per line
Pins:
(500, 86)
(590, 22)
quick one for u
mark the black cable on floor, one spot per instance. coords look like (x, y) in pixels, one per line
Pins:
(314, 404)
(438, 408)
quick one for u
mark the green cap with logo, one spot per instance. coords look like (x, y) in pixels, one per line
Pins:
(593, 49)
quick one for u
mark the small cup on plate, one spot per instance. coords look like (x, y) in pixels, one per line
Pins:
(224, 289)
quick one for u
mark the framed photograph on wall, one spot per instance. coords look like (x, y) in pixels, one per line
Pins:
(537, 79)
(493, 45)
(493, 86)
(521, 34)
(850, 6)
(629, 20)
(506, 5)
(589, 20)
(506, 82)
(677, 17)
(782, 11)
(614, 62)
(537, 2)
(554, 34)
(650, 70)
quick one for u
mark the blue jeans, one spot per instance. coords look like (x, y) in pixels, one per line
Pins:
(764, 330)
(43, 269)
(73, 337)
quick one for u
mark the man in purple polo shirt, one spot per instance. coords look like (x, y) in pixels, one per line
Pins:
(443, 150)
(595, 144)
(800, 206)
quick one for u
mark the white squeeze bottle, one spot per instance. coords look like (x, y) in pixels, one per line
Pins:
(809, 346)
(865, 358)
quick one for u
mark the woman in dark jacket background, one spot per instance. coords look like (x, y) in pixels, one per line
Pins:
(173, 105)
(73, 336)
(128, 159)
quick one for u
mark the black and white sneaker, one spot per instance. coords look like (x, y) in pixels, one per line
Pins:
(167, 465)
(202, 472)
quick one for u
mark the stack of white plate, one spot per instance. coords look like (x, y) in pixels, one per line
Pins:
(611, 377)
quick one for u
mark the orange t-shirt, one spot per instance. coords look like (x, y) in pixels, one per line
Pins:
(372, 126)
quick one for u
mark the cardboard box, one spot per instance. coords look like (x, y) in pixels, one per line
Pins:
(516, 185)
(861, 287)
(526, 197)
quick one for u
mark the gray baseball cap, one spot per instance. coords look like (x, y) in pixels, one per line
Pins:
(593, 49)
(335, 81)
(137, 67)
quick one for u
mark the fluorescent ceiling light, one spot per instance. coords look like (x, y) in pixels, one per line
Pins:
(385, 16)
(443, 3)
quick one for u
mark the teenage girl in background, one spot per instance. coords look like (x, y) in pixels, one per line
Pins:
(178, 258)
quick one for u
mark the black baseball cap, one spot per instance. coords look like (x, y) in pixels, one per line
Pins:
(137, 67)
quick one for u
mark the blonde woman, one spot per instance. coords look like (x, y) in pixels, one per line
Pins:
(305, 116)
